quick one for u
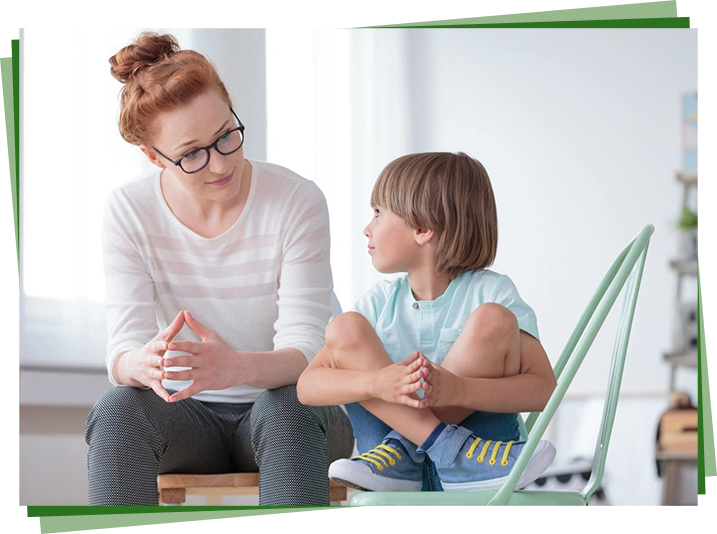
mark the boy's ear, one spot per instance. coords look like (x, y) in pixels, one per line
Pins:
(423, 235)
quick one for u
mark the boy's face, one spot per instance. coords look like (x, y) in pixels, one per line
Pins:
(391, 242)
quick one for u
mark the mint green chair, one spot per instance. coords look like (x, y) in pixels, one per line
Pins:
(625, 271)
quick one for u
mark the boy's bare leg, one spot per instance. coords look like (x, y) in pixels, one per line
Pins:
(353, 344)
(488, 347)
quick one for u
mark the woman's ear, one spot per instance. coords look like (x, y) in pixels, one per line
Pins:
(423, 235)
(152, 156)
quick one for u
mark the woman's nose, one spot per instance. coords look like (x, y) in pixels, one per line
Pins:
(217, 162)
(366, 231)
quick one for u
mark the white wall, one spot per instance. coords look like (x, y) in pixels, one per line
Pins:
(580, 133)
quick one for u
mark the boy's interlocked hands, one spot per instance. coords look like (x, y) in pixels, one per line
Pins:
(398, 383)
(441, 387)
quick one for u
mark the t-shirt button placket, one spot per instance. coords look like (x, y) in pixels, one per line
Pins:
(415, 305)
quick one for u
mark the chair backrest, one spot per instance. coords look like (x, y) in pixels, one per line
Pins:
(625, 271)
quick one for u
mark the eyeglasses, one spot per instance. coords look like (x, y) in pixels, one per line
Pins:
(198, 158)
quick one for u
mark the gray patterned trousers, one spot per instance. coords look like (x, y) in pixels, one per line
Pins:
(134, 435)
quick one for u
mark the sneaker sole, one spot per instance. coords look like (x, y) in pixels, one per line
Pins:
(540, 461)
(361, 477)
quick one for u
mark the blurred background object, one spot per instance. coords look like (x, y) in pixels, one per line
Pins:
(676, 450)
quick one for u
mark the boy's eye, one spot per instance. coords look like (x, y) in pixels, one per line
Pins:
(192, 154)
(376, 212)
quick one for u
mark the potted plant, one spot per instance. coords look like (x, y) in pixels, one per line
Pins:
(692, 240)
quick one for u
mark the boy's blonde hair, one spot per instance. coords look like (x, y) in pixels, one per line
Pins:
(450, 194)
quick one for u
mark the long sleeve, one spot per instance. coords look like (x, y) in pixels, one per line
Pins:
(130, 294)
(305, 281)
(262, 284)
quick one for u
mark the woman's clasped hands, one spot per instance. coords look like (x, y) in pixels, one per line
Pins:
(211, 362)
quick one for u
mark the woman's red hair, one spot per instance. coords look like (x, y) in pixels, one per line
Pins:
(159, 77)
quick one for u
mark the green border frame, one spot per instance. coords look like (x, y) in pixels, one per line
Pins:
(666, 14)
(676, 22)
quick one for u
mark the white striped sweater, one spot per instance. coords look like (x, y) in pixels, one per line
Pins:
(264, 284)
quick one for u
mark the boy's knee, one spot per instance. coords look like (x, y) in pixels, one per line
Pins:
(492, 321)
(347, 331)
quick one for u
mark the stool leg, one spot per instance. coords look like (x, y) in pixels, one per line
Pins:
(172, 496)
(337, 494)
(214, 500)
(668, 483)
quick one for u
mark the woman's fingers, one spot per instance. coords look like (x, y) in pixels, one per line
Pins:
(192, 390)
(173, 328)
(156, 385)
(155, 374)
(179, 375)
(192, 347)
(201, 330)
(157, 346)
(180, 361)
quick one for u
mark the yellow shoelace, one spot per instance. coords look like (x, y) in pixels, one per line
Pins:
(484, 450)
(378, 456)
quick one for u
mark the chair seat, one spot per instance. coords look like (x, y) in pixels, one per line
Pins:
(174, 488)
(467, 498)
(224, 483)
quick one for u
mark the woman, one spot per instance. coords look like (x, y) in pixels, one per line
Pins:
(218, 293)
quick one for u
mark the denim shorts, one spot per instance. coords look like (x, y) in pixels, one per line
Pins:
(369, 431)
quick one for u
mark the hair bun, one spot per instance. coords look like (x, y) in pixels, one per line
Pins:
(149, 48)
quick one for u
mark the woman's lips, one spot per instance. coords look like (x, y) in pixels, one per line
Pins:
(223, 181)
(370, 249)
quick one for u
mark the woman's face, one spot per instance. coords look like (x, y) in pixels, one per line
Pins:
(196, 125)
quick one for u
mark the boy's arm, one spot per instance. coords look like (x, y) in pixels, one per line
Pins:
(323, 385)
(528, 391)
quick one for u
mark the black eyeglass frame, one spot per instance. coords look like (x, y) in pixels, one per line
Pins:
(208, 148)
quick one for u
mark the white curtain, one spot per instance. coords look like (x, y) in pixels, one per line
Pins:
(346, 116)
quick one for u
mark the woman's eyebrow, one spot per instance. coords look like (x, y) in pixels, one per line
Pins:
(195, 141)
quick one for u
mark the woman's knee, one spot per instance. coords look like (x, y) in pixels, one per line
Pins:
(279, 411)
(121, 406)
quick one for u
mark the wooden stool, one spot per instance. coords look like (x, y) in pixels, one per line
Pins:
(174, 488)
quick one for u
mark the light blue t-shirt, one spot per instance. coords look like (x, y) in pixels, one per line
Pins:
(404, 324)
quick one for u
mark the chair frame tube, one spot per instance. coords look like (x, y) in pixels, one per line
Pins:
(628, 265)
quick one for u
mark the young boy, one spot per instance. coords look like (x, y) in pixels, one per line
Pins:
(450, 329)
